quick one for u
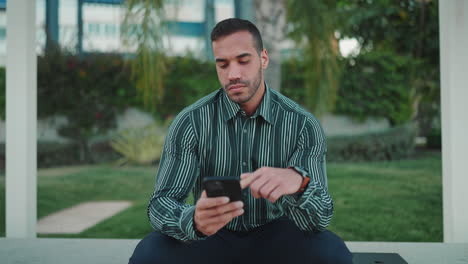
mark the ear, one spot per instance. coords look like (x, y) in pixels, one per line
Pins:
(264, 58)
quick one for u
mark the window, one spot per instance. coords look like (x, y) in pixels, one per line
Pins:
(110, 29)
(2, 33)
(94, 29)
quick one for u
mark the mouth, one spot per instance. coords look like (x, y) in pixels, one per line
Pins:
(235, 87)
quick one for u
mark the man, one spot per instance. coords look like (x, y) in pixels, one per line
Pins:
(275, 147)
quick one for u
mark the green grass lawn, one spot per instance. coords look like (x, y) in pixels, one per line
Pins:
(388, 201)
(385, 201)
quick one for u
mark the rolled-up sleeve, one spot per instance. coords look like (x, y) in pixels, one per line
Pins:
(178, 169)
(313, 209)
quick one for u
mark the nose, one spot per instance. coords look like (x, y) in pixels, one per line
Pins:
(234, 73)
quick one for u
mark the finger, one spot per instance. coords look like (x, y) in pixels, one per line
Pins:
(243, 179)
(247, 180)
(215, 223)
(224, 218)
(220, 210)
(211, 229)
(245, 175)
(206, 203)
(256, 185)
(203, 194)
(275, 195)
(211, 225)
(266, 189)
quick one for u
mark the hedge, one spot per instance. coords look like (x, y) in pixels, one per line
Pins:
(393, 144)
(54, 154)
(374, 84)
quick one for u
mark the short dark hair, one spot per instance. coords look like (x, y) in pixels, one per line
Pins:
(233, 25)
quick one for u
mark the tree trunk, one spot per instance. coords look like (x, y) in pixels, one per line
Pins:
(271, 21)
(85, 152)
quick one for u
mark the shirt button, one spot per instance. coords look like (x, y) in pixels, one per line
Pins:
(244, 163)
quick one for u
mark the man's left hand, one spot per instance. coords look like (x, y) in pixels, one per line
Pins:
(271, 183)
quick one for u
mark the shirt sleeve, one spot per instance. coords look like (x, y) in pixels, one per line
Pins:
(313, 209)
(178, 169)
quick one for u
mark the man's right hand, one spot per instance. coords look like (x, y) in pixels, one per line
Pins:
(212, 214)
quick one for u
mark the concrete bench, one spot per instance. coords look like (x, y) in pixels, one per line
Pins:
(114, 251)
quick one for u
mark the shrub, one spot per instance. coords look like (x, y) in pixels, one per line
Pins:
(434, 139)
(188, 79)
(393, 144)
(140, 146)
(89, 91)
(376, 84)
(54, 154)
(292, 79)
(373, 84)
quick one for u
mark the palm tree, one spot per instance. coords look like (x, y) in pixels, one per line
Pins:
(142, 30)
(312, 25)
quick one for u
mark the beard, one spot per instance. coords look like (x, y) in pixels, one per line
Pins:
(251, 87)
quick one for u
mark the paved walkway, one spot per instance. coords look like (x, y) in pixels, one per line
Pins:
(76, 219)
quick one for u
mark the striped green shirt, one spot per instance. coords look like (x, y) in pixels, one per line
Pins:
(214, 137)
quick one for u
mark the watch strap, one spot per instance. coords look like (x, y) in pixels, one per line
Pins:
(305, 182)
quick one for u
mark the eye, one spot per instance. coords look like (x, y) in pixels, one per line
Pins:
(244, 62)
(222, 64)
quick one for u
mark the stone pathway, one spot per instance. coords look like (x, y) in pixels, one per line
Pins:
(78, 218)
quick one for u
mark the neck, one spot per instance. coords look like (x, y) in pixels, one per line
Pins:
(251, 106)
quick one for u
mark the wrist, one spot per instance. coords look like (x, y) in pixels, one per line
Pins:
(304, 182)
(198, 232)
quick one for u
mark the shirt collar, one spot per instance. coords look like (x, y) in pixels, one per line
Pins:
(231, 109)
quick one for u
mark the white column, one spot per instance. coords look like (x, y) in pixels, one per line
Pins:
(21, 119)
(453, 19)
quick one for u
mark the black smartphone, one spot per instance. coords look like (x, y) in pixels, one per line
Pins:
(229, 186)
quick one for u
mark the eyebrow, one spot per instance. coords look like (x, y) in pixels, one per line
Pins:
(243, 55)
(240, 56)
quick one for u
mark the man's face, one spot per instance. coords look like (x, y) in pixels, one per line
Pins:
(239, 66)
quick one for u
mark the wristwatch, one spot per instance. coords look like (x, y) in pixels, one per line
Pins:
(305, 179)
(305, 182)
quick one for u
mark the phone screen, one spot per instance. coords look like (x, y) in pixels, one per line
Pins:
(223, 186)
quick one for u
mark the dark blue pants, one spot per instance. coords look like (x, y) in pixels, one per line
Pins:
(277, 242)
